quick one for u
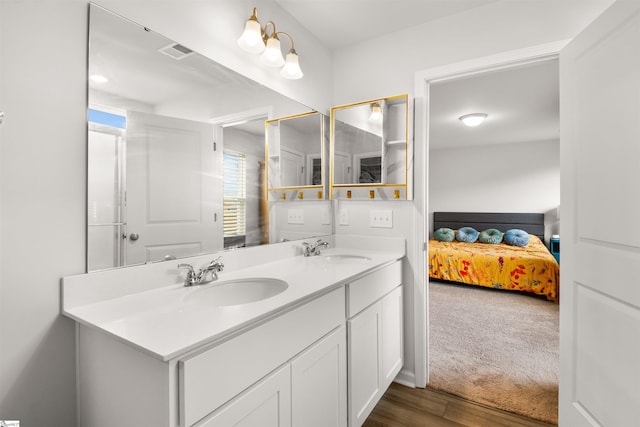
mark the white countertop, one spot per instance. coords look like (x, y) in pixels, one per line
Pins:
(159, 323)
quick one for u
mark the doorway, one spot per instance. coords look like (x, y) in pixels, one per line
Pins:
(424, 81)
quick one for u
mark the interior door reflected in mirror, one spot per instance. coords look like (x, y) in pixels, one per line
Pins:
(369, 146)
(295, 152)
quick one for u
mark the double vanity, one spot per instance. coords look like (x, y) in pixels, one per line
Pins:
(279, 339)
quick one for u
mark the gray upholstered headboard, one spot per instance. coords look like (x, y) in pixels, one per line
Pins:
(533, 223)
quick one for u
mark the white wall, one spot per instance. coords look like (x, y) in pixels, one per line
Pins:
(523, 177)
(43, 217)
(43, 169)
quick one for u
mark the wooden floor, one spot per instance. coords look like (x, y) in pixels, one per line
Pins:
(408, 407)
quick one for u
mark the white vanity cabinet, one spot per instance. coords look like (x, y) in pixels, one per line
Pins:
(321, 355)
(309, 391)
(375, 338)
(291, 366)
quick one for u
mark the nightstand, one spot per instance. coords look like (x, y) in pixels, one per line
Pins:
(554, 247)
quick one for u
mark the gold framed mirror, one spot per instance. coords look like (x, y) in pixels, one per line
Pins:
(296, 156)
(369, 149)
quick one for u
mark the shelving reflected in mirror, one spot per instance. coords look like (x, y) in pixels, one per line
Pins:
(176, 151)
(369, 143)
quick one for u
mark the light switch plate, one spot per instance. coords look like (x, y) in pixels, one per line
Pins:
(295, 216)
(326, 217)
(381, 219)
(343, 214)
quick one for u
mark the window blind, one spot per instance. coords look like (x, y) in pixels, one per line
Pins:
(235, 194)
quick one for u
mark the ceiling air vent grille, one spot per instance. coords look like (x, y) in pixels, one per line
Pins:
(176, 51)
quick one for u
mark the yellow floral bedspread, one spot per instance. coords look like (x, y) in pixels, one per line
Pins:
(531, 268)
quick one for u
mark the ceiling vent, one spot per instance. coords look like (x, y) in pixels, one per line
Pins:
(176, 51)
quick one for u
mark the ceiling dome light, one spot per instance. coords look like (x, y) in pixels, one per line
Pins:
(291, 69)
(473, 119)
(251, 39)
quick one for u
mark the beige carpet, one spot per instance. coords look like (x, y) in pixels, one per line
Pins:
(498, 348)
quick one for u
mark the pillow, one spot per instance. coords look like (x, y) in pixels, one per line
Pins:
(467, 235)
(516, 237)
(491, 236)
(444, 235)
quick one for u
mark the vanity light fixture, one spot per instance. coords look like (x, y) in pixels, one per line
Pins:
(257, 39)
(376, 112)
(473, 119)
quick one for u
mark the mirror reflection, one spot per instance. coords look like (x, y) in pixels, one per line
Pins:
(295, 151)
(176, 151)
(369, 143)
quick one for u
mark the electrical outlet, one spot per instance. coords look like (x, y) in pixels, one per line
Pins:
(343, 214)
(295, 216)
(381, 219)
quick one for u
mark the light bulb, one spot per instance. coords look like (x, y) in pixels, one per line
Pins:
(376, 112)
(251, 39)
(98, 78)
(291, 69)
(272, 55)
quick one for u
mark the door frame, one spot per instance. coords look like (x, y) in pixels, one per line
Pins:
(423, 81)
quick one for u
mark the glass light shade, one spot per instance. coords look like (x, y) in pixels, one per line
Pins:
(291, 69)
(251, 39)
(272, 55)
(376, 112)
(473, 119)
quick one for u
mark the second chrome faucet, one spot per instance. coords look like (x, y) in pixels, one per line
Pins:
(205, 275)
(309, 249)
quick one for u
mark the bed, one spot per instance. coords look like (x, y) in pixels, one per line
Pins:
(531, 268)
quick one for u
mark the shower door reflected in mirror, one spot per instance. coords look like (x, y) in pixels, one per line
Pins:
(169, 174)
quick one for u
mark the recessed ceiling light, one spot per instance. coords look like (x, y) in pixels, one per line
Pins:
(98, 78)
(473, 119)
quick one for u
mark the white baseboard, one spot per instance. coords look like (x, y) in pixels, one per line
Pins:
(406, 378)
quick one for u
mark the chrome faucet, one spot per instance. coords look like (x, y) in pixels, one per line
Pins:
(309, 249)
(205, 275)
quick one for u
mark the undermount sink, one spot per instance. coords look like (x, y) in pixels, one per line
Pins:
(345, 258)
(236, 291)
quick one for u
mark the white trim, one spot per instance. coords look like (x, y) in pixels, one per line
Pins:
(247, 115)
(423, 80)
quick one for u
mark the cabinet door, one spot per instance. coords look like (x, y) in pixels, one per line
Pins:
(365, 350)
(392, 337)
(319, 383)
(266, 404)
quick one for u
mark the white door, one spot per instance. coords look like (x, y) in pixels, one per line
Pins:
(342, 168)
(600, 152)
(171, 191)
(291, 168)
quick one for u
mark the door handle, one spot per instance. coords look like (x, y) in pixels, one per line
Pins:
(134, 236)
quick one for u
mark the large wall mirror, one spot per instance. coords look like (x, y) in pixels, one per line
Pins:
(176, 150)
(369, 149)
